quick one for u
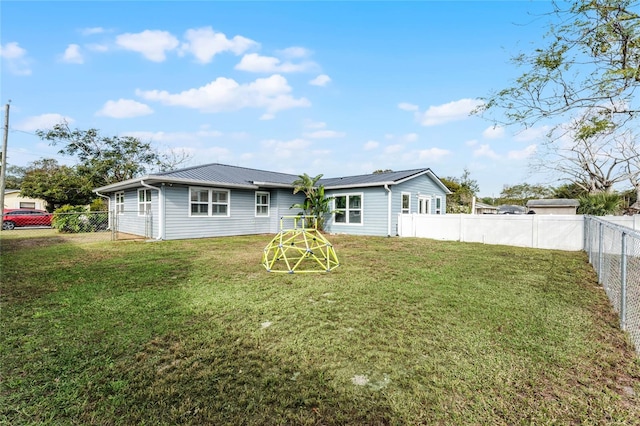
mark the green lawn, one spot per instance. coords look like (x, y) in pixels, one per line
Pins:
(405, 331)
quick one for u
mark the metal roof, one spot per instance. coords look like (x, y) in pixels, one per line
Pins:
(374, 178)
(216, 174)
(225, 174)
(554, 202)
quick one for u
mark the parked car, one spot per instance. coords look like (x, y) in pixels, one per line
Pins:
(12, 218)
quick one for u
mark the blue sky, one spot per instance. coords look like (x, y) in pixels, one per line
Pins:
(337, 88)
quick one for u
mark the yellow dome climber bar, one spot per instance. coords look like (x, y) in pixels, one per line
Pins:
(300, 249)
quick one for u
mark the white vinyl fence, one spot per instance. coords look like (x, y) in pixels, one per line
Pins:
(559, 232)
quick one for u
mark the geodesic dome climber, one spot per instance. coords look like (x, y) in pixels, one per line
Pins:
(299, 249)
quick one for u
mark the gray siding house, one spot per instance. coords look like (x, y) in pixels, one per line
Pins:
(220, 200)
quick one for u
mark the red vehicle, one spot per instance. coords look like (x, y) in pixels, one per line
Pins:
(25, 217)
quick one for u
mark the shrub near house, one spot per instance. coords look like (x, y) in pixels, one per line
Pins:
(76, 219)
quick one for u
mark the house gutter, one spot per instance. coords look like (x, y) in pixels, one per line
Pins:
(108, 208)
(160, 208)
(386, 186)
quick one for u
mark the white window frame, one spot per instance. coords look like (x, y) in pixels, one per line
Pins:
(211, 202)
(260, 205)
(347, 210)
(403, 209)
(144, 202)
(119, 202)
(200, 202)
(438, 205)
(424, 205)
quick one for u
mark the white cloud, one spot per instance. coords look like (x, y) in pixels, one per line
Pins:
(267, 116)
(95, 47)
(485, 151)
(410, 137)
(393, 149)
(321, 80)
(225, 94)
(532, 133)
(371, 145)
(493, 132)
(151, 44)
(286, 149)
(253, 62)
(309, 124)
(167, 137)
(16, 58)
(325, 134)
(452, 111)
(407, 106)
(72, 55)
(294, 52)
(43, 121)
(205, 43)
(124, 108)
(91, 31)
(521, 155)
(471, 142)
(431, 154)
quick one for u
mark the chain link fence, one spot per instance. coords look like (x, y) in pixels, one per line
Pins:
(614, 252)
(81, 226)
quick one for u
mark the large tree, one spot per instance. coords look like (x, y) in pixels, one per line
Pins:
(56, 184)
(108, 159)
(463, 189)
(591, 62)
(581, 83)
(14, 177)
(521, 193)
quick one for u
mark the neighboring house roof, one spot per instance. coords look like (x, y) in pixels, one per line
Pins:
(554, 202)
(485, 206)
(242, 177)
(510, 209)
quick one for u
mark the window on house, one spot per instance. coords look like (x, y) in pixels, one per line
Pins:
(144, 201)
(208, 202)
(262, 204)
(199, 202)
(27, 205)
(120, 202)
(219, 202)
(348, 209)
(424, 205)
(438, 205)
(406, 203)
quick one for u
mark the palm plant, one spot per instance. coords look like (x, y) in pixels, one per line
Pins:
(600, 204)
(315, 203)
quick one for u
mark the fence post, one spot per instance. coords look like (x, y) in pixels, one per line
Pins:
(112, 224)
(585, 237)
(600, 250)
(623, 283)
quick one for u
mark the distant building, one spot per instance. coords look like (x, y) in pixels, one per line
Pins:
(482, 208)
(510, 209)
(13, 200)
(553, 206)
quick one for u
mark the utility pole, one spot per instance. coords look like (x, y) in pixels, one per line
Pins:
(3, 164)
